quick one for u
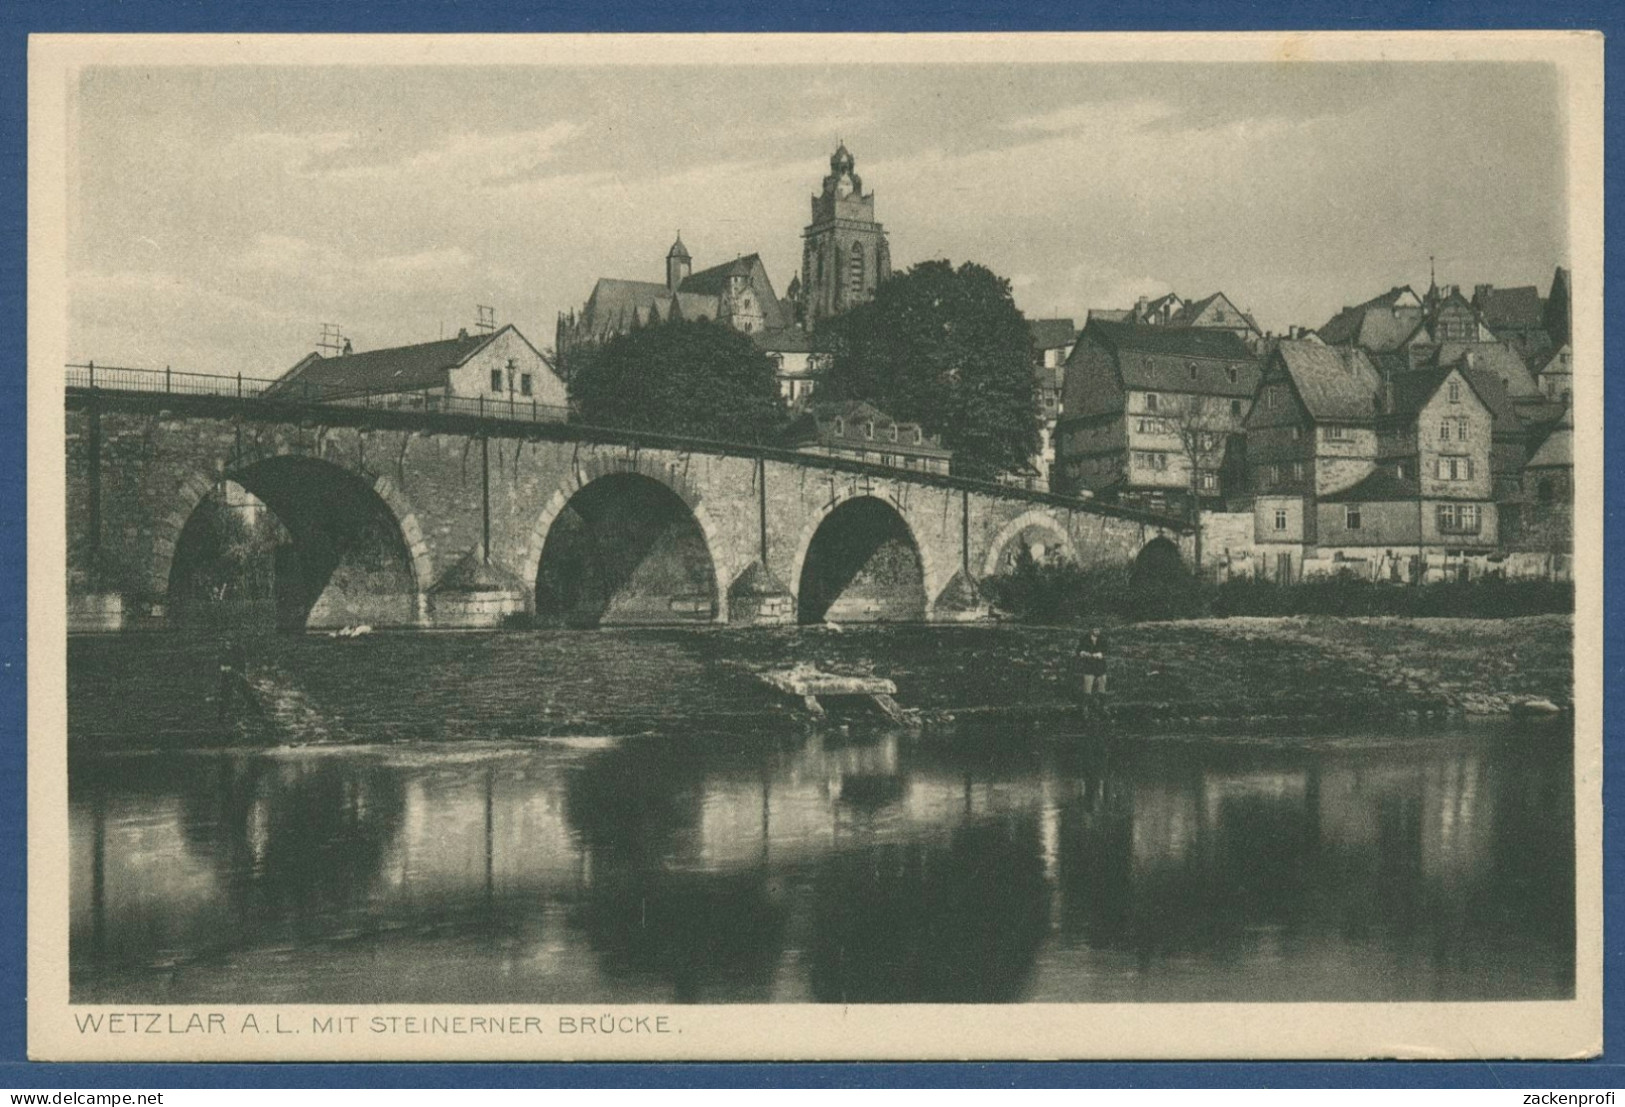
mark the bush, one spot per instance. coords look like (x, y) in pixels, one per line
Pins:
(1066, 593)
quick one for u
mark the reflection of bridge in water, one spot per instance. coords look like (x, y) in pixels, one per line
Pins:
(428, 516)
(853, 872)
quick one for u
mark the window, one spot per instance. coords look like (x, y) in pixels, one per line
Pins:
(1280, 518)
(1297, 433)
(1334, 433)
(1546, 491)
(1235, 408)
(1399, 470)
(1455, 392)
(840, 427)
(1297, 470)
(1191, 366)
(1232, 374)
(1208, 482)
(857, 269)
(918, 435)
(1455, 468)
(1151, 401)
(1351, 516)
(1460, 518)
(1269, 397)
(869, 429)
(525, 388)
(891, 432)
(496, 380)
(1461, 430)
(1209, 440)
(1444, 430)
(1273, 474)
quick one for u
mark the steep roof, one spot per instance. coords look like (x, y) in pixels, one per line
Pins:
(1558, 449)
(1375, 324)
(1382, 483)
(1336, 383)
(784, 340)
(1543, 361)
(1161, 359)
(396, 369)
(1048, 334)
(1495, 358)
(1510, 308)
(816, 424)
(1193, 313)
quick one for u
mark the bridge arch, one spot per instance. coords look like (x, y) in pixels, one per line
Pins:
(999, 551)
(635, 538)
(358, 549)
(1158, 562)
(853, 563)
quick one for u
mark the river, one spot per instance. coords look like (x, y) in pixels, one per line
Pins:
(628, 817)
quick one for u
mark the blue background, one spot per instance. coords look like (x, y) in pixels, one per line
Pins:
(19, 18)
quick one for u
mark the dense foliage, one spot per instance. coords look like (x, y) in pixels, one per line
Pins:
(946, 348)
(698, 379)
(1065, 593)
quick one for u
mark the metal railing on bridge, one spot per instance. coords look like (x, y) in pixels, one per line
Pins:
(118, 378)
(122, 379)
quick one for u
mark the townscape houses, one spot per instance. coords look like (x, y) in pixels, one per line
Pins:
(1371, 474)
(1153, 415)
(1052, 342)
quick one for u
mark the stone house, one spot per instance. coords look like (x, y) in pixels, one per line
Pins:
(1154, 415)
(860, 431)
(1357, 472)
(500, 370)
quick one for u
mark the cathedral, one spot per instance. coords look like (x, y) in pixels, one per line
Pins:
(844, 256)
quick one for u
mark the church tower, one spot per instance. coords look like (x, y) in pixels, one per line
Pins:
(678, 264)
(844, 253)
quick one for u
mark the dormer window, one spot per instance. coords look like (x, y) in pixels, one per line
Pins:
(919, 436)
(891, 432)
(869, 429)
(840, 427)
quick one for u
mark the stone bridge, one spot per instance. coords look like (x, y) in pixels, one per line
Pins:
(415, 519)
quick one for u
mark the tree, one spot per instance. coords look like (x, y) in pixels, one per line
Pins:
(1203, 426)
(699, 379)
(946, 348)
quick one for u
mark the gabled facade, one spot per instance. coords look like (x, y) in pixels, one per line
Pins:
(1052, 342)
(1216, 312)
(1371, 475)
(1152, 416)
(1555, 375)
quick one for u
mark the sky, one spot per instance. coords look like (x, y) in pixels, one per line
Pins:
(218, 216)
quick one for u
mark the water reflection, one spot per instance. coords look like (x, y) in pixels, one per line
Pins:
(887, 870)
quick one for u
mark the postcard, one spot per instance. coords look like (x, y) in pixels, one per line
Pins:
(815, 546)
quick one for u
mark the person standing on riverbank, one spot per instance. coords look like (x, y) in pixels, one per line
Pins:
(1093, 653)
(234, 682)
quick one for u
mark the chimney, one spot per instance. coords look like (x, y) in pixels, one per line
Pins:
(462, 333)
(346, 352)
(1482, 292)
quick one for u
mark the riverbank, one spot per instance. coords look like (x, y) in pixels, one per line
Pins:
(1216, 670)
(154, 691)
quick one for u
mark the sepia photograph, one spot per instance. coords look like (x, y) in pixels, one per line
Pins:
(815, 546)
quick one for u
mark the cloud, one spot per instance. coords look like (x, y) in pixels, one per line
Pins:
(469, 157)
